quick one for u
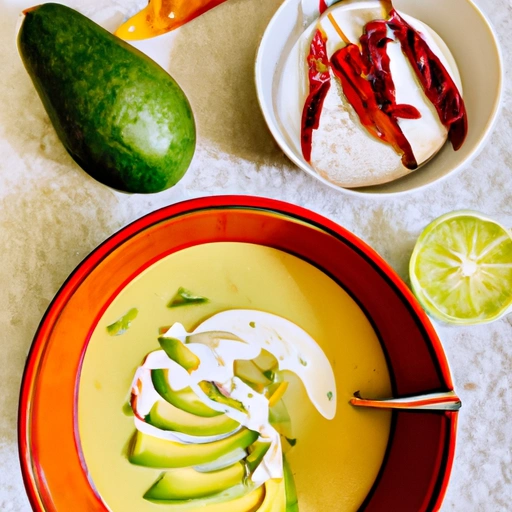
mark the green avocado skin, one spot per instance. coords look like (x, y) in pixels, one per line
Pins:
(121, 117)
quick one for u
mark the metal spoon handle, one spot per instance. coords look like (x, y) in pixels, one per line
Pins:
(435, 402)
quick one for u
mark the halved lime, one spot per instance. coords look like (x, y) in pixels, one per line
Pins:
(461, 268)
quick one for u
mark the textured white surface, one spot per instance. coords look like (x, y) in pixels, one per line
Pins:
(52, 215)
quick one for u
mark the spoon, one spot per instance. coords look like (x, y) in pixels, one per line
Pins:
(447, 401)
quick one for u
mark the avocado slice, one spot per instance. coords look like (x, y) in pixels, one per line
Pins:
(213, 393)
(121, 325)
(185, 297)
(266, 361)
(279, 418)
(166, 416)
(250, 373)
(226, 460)
(292, 503)
(184, 399)
(179, 353)
(120, 116)
(240, 498)
(187, 483)
(146, 450)
(258, 451)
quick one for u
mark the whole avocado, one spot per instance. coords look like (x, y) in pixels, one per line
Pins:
(121, 117)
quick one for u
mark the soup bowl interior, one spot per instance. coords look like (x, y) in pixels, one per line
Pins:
(469, 36)
(419, 451)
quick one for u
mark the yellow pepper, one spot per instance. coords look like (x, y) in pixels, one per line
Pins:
(161, 16)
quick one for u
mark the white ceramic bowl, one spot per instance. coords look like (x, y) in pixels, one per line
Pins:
(471, 39)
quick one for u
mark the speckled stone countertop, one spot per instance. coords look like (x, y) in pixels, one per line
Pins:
(52, 215)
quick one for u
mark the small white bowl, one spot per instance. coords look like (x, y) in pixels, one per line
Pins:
(471, 39)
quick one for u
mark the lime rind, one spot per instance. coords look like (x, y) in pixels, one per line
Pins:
(461, 269)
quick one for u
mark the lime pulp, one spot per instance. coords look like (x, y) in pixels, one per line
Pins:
(461, 268)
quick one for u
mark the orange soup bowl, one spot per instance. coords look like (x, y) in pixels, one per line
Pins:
(243, 253)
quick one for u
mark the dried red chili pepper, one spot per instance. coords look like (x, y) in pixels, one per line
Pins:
(319, 84)
(374, 50)
(348, 65)
(322, 7)
(367, 83)
(434, 78)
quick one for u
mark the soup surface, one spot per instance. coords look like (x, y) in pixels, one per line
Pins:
(334, 462)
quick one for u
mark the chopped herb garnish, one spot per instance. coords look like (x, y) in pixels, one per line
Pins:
(121, 326)
(252, 324)
(185, 297)
(303, 362)
(291, 442)
(330, 395)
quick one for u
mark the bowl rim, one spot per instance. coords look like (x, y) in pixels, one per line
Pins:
(102, 251)
(374, 192)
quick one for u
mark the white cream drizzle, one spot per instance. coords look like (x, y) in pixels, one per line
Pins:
(293, 348)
